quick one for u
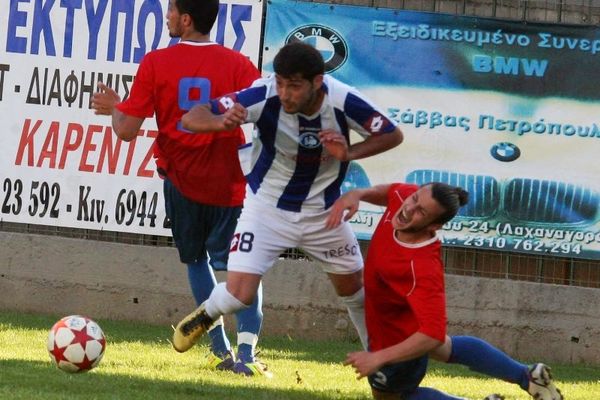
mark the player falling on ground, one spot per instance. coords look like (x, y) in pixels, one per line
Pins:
(405, 301)
(203, 182)
(296, 166)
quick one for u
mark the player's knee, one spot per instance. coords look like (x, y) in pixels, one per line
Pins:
(243, 286)
(222, 302)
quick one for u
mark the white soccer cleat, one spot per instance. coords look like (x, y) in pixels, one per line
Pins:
(541, 386)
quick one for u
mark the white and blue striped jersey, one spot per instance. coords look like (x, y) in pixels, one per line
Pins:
(285, 165)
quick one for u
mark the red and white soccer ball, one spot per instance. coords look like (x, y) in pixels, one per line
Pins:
(76, 344)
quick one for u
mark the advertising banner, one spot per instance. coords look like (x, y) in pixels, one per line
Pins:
(507, 110)
(61, 165)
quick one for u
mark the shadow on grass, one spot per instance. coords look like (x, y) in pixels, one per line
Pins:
(22, 379)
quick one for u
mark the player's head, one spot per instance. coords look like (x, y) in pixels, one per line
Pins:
(430, 207)
(299, 70)
(451, 198)
(200, 15)
(299, 59)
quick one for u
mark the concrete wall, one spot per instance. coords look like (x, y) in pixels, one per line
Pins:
(109, 280)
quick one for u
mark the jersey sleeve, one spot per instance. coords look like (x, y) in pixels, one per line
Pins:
(252, 98)
(428, 298)
(140, 102)
(364, 117)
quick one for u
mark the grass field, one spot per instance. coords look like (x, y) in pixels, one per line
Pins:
(139, 363)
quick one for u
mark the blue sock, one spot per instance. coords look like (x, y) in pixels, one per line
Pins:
(249, 322)
(202, 281)
(480, 356)
(425, 393)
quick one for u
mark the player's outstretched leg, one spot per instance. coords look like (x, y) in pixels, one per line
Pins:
(193, 326)
(541, 386)
(202, 282)
(481, 356)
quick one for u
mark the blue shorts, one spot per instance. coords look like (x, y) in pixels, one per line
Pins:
(199, 229)
(402, 378)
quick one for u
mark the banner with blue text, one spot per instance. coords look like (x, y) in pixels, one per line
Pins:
(509, 111)
(62, 165)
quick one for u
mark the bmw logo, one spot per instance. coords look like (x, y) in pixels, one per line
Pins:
(332, 46)
(505, 152)
(309, 140)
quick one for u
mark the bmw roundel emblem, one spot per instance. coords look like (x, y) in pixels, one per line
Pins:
(332, 46)
(309, 140)
(505, 152)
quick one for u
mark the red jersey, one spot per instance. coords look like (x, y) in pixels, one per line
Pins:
(204, 166)
(404, 283)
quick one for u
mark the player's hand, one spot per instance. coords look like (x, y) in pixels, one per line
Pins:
(335, 143)
(364, 363)
(104, 100)
(234, 117)
(343, 209)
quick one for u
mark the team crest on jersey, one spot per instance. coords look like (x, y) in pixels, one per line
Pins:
(309, 140)
(330, 44)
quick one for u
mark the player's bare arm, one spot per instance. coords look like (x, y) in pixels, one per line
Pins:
(347, 205)
(103, 103)
(201, 119)
(413, 347)
(375, 144)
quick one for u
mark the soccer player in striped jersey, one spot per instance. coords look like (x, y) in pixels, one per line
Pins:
(405, 302)
(203, 183)
(295, 166)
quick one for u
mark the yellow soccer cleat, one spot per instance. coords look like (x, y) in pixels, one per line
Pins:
(255, 368)
(191, 328)
(224, 363)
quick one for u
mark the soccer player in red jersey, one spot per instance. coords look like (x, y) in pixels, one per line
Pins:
(405, 302)
(203, 183)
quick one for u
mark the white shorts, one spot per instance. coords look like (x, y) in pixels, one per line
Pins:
(263, 232)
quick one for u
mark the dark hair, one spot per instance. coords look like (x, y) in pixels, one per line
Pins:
(299, 58)
(203, 13)
(451, 198)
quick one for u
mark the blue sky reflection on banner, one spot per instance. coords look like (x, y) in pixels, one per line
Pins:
(507, 110)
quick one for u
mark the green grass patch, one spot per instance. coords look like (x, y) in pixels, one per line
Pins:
(139, 363)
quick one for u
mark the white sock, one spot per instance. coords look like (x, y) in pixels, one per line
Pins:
(248, 338)
(356, 310)
(221, 302)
